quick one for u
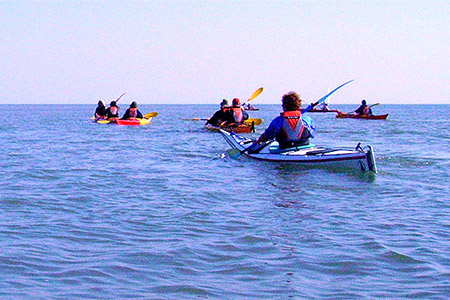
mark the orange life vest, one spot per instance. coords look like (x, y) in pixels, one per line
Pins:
(238, 115)
(292, 125)
(366, 110)
(133, 113)
(114, 110)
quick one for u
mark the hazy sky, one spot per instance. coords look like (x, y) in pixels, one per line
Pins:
(195, 52)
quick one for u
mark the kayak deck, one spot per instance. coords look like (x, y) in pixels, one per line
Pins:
(309, 155)
(241, 128)
(130, 122)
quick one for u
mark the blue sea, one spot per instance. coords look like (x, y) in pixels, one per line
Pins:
(91, 211)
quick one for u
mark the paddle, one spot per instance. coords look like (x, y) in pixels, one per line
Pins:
(254, 95)
(151, 115)
(120, 97)
(256, 121)
(311, 106)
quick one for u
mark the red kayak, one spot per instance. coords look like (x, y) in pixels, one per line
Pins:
(368, 117)
(133, 122)
(324, 110)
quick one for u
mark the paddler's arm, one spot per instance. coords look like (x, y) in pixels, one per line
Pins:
(269, 134)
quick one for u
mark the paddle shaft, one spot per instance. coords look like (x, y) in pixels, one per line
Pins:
(324, 97)
(254, 95)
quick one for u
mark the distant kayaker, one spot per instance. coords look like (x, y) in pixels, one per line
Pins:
(221, 116)
(132, 112)
(324, 106)
(100, 111)
(291, 128)
(112, 112)
(238, 115)
(363, 109)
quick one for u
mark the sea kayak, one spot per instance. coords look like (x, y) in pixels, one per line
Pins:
(241, 128)
(132, 122)
(362, 159)
(317, 110)
(367, 117)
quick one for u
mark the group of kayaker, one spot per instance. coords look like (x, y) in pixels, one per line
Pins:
(228, 115)
(112, 112)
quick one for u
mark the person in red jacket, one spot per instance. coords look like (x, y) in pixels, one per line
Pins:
(237, 114)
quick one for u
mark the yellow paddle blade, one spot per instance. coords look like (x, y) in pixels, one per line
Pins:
(151, 115)
(103, 121)
(250, 121)
(256, 93)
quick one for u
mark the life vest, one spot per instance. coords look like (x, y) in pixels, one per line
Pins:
(132, 113)
(114, 110)
(292, 125)
(366, 110)
(238, 115)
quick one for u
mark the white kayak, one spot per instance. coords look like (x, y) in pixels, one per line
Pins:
(362, 159)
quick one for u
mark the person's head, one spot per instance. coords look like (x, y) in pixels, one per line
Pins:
(113, 103)
(101, 103)
(363, 102)
(291, 101)
(133, 104)
(224, 103)
(236, 102)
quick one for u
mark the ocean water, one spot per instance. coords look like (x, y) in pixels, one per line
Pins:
(90, 211)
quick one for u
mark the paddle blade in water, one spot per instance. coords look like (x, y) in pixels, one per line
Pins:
(250, 121)
(151, 115)
(233, 153)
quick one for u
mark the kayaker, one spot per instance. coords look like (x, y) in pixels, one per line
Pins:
(363, 109)
(237, 114)
(100, 111)
(324, 106)
(112, 112)
(221, 115)
(132, 112)
(290, 129)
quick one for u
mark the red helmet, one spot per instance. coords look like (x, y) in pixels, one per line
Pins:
(236, 101)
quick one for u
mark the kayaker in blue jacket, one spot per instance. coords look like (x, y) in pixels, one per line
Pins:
(132, 112)
(290, 129)
(100, 111)
(363, 109)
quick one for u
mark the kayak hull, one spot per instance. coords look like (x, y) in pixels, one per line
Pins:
(308, 156)
(241, 128)
(366, 117)
(132, 122)
(314, 110)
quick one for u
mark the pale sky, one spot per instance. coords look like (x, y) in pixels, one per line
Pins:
(199, 52)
